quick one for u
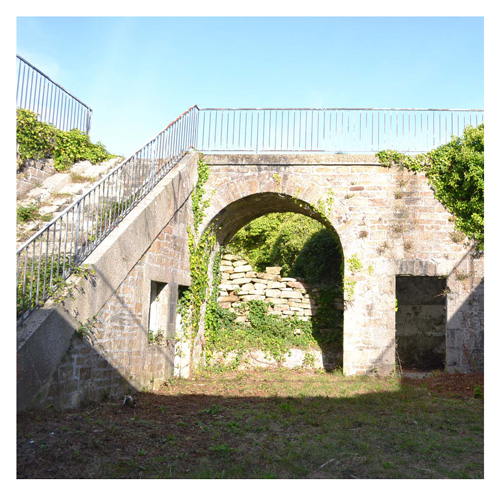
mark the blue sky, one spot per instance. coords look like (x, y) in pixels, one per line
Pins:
(140, 73)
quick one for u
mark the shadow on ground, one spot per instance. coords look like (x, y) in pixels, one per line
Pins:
(264, 425)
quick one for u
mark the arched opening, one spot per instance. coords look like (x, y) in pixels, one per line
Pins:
(287, 307)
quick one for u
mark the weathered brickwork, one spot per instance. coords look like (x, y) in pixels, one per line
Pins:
(116, 358)
(387, 218)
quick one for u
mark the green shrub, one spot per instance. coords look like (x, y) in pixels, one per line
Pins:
(37, 140)
(456, 173)
(74, 146)
(301, 246)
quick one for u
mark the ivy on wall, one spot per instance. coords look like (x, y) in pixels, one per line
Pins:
(38, 140)
(200, 251)
(275, 239)
(456, 173)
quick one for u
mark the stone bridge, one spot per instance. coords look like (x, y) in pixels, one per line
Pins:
(388, 218)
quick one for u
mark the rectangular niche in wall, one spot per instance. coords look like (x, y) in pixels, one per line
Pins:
(421, 322)
(158, 312)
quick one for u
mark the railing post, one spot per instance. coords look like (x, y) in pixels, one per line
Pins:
(153, 162)
(257, 134)
(77, 234)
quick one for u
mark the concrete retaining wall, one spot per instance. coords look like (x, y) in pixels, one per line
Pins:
(54, 365)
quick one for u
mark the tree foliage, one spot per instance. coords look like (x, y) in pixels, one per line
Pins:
(301, 246)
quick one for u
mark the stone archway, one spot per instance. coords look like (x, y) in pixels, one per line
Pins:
(241, 192)
(284, 294)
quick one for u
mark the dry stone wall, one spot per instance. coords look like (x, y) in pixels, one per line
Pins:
(286, 296)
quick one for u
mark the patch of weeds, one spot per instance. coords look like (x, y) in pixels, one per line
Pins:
(398, 228)
(80, 178)
(478, 392)
(31, 212)
(222, 449)
(234, 427)
(457, 237)
(211, 410)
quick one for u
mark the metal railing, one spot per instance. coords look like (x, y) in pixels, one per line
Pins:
(330, 130)
(49, 257)
(53, 104)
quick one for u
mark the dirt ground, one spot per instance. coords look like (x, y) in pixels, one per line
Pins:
(115, 440)
(449, 384)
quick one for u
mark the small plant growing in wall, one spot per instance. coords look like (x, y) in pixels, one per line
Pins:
(462, 276)
(354, 265)
(156, 337)
(407, 245)
(382, 248)
(85, 329)
(398, 228)
(324, 207)
(277, 178)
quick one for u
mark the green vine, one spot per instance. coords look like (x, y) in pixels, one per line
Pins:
(38, 140)
(200, 251)
(324, 207)
(354, 265)
(456, 173)
(263, 330)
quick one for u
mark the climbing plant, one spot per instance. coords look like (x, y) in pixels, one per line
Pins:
(456, 173)
(275, 239)
(38, 140)
(200, 251)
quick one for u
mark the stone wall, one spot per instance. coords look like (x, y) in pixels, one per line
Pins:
(32, 173)
(120, 354)
(388, 219)
(286, 296)
(99, 343)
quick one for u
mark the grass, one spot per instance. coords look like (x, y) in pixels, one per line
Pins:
(261, 424)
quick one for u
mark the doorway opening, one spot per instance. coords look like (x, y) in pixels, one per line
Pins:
(421, 322)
